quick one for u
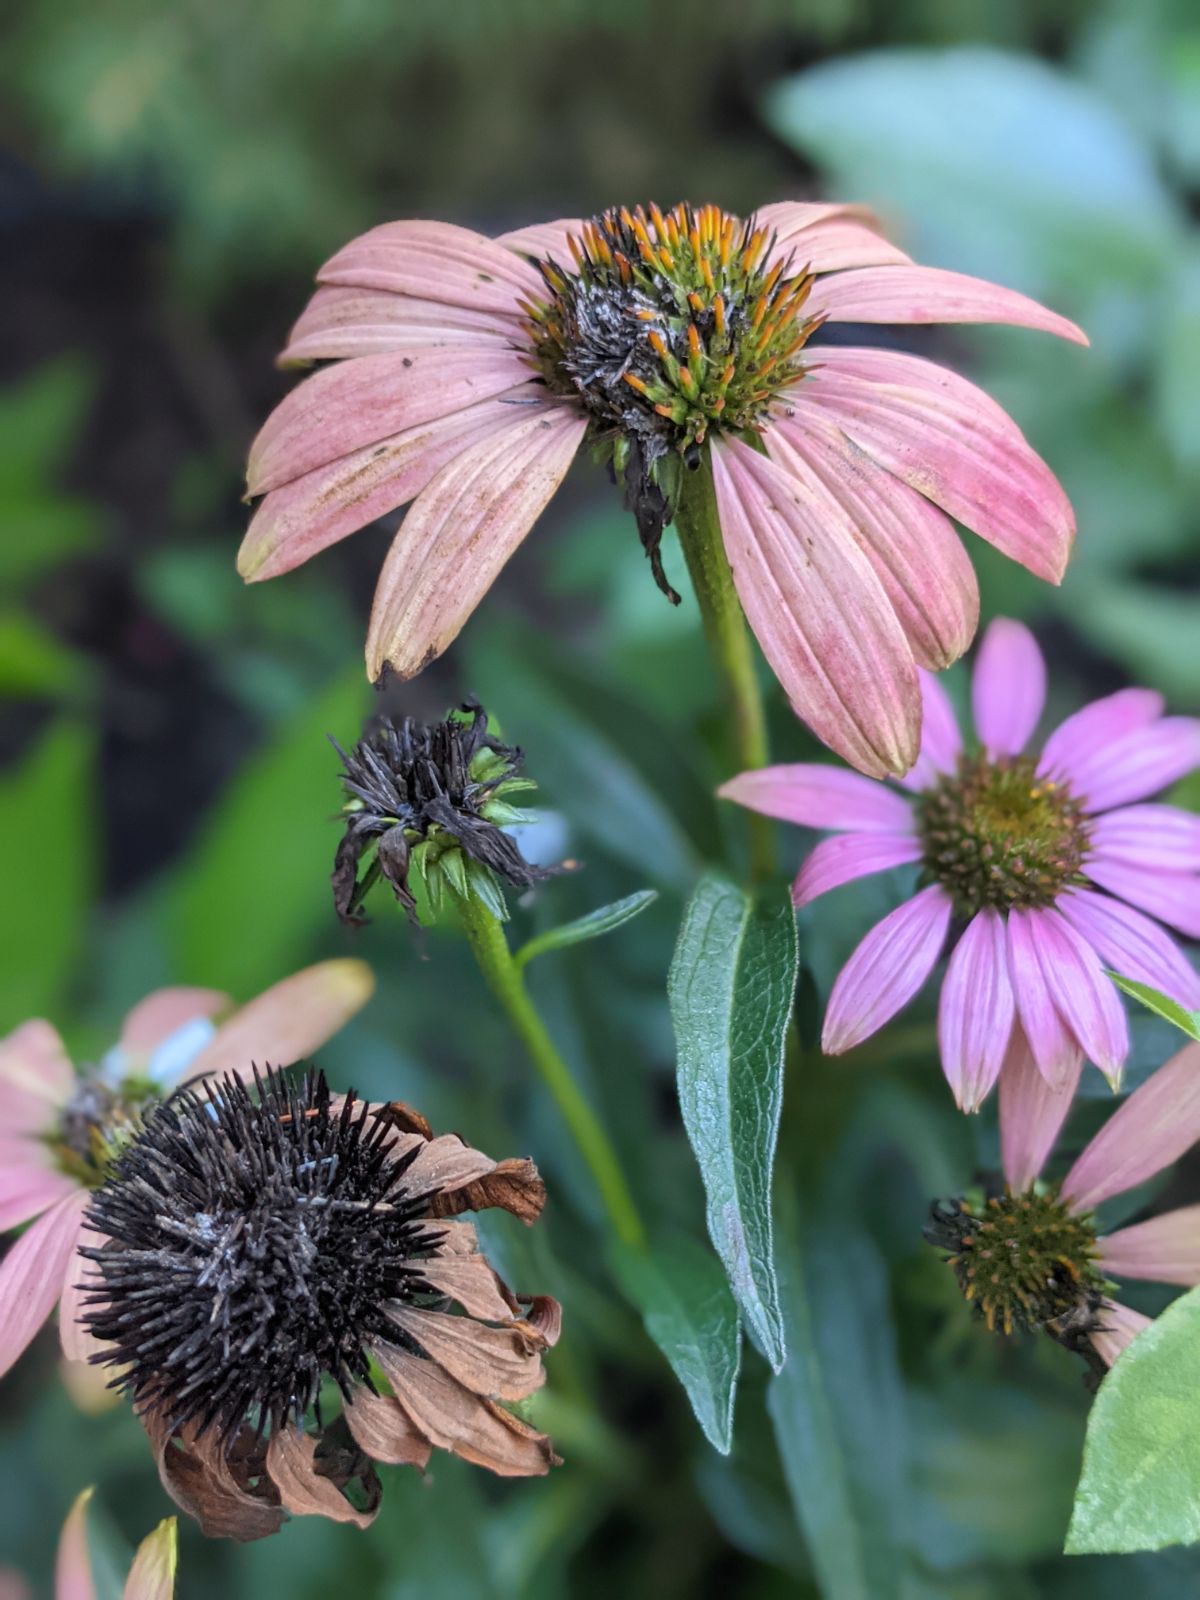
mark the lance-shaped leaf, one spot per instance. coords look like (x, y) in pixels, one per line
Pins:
(603, 920)
(1161, 1004)
(731, 988)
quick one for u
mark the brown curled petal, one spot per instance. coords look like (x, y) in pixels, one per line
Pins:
(544, 1314)
(505, 1363)
(445, 1163)
(382, 1428)
(452, 1418)
(477, 1287)
(405, 1117)
(203, 1484)
(303, 1490)
(512, 1185)
(453, 1238)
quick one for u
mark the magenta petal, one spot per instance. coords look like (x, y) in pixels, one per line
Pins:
(1132, 945)
(1121, 1327)
(459, 533)
(341, 323)
(1137, 764)
(820, 797)
(953, 450)
(353, 404)
(1155, 1126)
(1051, 1043)
(1158, 838)
(1008, 687)
(1174, 897)
(941, 742)
(1084, 996)
(848, 856)
(31, 1274)
(914, 294)
(31, 1188)
(819, 612)
(1077, 748)
(886, 969)
(1031, 1112)
(912, 546)
(975, 1014)
(435, 261)
(1165, 1249)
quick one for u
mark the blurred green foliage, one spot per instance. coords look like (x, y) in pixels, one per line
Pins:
(166, 801)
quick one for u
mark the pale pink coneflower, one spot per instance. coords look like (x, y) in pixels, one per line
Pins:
(61, 1131)
(151, 1577)
(1032, 1258)
(1039, 867)
(468, 371)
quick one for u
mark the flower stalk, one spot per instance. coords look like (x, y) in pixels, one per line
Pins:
(507, 982)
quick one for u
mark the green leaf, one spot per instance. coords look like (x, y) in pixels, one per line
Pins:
(690, 1314)
(48, 869)
(33, 662)
(1161, 1004)
(603, 920)
(1140, 1485)
(838, 1409)
(256, 886)
(731, 987)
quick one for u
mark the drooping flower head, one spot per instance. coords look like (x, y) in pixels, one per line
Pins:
(61, 1132)
(431, 799)
(468, 371)
(1039, 867)
(151, 1577)
(260, 1241)
(1031, 1258)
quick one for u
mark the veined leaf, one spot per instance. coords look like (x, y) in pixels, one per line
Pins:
(1161, 1004)
(731, 987)
(603, 920)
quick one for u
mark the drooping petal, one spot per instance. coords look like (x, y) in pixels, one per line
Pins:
(1165, 1249)
(80, 1281)
(1174, 897)
(541, 239)
(912, 294)
(902, 370)
(941, 741)
(1051, 1043)
(1136, 764)
(306, 516)
(1157, 1123)
(434, 261)
(504, 1362)
(152, 1576)
(288, 1021)
(460, 532)
(353, 404)
(1132, 945)
(1008, 687)
(818, 610)
(341, 323)
(31, 1274)
(1155, 838)
(1031, 1112)
(820, 797)
(382, 1428)
(886, 969)
(1077, 751)
(826, 238)
(950, 447)
(1121, 1327)
(163, 1013)
(975, 1013)
(73, 1563)
(1084, 996)
(445, 1163)
(36, 1078)
(470, 1280)
(912, 546)
(31, 1188)
(304, 1491)
(847, 856)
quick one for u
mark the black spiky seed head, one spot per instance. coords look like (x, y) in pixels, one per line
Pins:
(430, 799)
(256, 1236)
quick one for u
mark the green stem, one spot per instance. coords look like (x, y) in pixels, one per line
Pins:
(699, 529)
(506, 981)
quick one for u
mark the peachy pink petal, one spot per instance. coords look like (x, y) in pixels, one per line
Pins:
(847, 856)
(912, 294)
(163, 1013)
(1121, 1327)
(73, 1564)
(1008, 687)
(31, 1188)
(821, 797)
(31, 1274)
(341, 323)
(36, 1078)
(434, 261)
(975, 1013)
(1031, 1112)
(819, 612)
(1165, 1249)
(1155, 1126)
(886, 969)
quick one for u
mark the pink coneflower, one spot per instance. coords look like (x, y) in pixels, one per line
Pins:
(1041, 861)
(1031, 1258)
(151, 1577)
(470, 370)
(61, 1131)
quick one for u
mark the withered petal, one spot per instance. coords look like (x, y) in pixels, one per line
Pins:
(304, 1491)
(445, 1163)
(544, 1314)
(514, 1185)
(473, 1282)
(505, 1363)
(383, 1429)
(205, 1485)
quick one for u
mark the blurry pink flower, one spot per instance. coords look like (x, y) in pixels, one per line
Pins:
(152, 1576)
(60, 1130)
(1043, 858)
(1158, 1123)
(469, 370)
